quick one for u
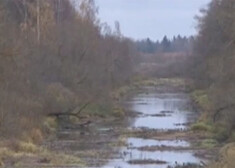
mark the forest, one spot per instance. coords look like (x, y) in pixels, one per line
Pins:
(58, 60)
(54, 58)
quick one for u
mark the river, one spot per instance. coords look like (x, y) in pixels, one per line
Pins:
(108, 145)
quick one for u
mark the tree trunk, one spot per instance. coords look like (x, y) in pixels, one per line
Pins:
(38, 21)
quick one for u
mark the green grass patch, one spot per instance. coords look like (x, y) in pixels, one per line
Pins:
(201, 98)
(221, 133)
(201, 126)
(174, 82)
(155, 82)
(104, 110)
(209, 143)
(99, 110)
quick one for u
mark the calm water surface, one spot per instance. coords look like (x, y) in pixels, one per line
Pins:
(161, 111)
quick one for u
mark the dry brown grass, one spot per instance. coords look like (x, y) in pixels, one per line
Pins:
(24, 153)
(227, 157)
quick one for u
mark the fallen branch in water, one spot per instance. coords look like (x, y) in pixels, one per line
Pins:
(70, 112)
(74, 113)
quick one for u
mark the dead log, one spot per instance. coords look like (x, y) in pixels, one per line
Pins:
(57, 115)
(74, 113)
(85, 123)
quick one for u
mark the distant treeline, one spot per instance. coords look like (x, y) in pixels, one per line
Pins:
(177, 44)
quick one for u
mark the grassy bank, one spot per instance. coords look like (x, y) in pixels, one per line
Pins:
(28, 150)
(138, 82)
(218, 130)
(18, 154)
(217, 134)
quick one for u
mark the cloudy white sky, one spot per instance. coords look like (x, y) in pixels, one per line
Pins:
(151, 18)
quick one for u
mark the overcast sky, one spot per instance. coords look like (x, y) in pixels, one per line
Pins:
(151, 18)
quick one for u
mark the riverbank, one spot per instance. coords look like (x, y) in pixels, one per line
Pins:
(217, 133)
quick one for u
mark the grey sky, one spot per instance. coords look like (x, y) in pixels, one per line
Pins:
(151, 18)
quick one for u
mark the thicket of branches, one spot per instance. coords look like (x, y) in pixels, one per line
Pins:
(215, 58)
(55, 55)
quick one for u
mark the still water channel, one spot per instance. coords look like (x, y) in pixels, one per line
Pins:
(154, 111)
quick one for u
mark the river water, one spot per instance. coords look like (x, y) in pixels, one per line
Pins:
(154, 110)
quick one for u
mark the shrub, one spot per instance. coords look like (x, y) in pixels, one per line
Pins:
(119, 112)
(100, 110)
(50, 124)
(209, 143)
(202, 99)
(221, 133)
(28, 147)
(201, 126)
(59, 98)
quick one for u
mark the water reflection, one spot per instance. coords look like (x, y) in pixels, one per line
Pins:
(177, 105)
(159, 111)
